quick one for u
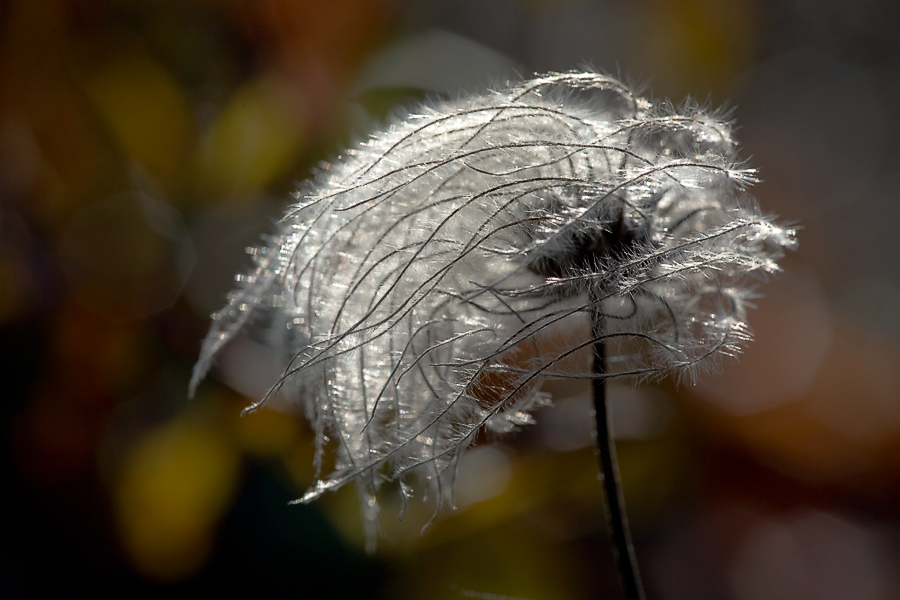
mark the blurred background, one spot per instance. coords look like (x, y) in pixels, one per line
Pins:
(144, 144)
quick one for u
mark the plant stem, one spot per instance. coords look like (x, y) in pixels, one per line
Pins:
(609, 467)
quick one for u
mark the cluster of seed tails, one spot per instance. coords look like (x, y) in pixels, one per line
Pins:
(426, 284)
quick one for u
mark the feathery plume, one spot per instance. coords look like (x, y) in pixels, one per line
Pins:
(431, 279)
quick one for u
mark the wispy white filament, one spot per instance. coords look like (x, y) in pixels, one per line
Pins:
(430, 280)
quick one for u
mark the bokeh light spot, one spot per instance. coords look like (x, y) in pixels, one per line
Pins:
(174, 487)
(254, 139)
(145, 110)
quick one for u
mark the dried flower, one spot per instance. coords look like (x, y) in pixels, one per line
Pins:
(429, 281)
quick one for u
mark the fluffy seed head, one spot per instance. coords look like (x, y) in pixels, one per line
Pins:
(427, 283)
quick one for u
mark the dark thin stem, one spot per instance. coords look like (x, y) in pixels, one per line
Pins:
(609, 465)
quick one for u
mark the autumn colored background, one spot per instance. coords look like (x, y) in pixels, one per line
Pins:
(144, 144)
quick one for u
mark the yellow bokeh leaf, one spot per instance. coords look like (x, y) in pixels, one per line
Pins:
(254, 139)
(175, 485)
(145, 110)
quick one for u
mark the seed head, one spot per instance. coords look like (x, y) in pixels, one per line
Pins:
(427, 283)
